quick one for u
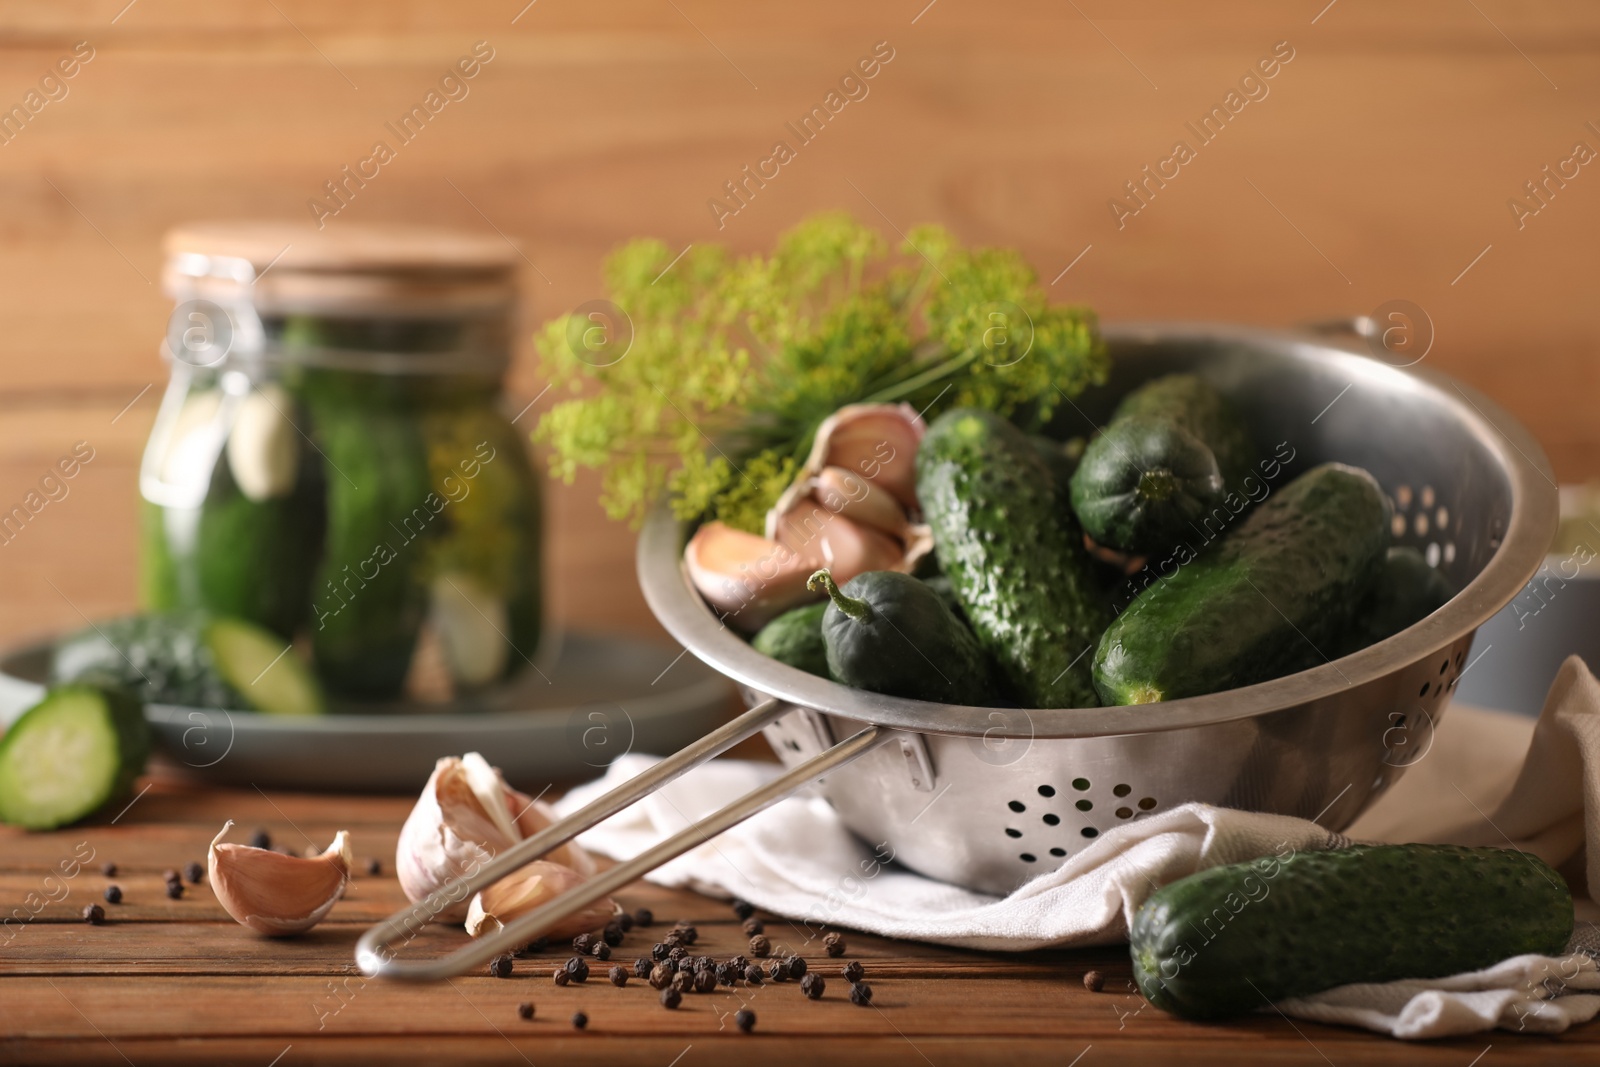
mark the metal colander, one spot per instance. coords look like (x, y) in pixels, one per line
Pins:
(989, 798)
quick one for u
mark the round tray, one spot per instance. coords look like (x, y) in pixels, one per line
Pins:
(602, 697)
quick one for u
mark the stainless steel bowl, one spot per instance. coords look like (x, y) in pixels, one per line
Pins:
(988, 798)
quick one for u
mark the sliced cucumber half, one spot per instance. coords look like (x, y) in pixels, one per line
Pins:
(70, 754)
(263, 669)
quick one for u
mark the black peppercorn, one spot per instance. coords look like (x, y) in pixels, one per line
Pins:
(94, 914)
(705, 981)
(577, 970)
(113, 894)
(738, 963)
(678, 953)
(683, 982)
(688, 933)
(659, 979)
(812, 985)
(860, 993)
(668, 966)
(704, 963)
(108, 869)
(670, 997)
(560, 976)
(833, 945)
(1094, 981)
(643, 917)
(579, 1020)
(659, 950)
(192, 872)
(581, 943)
(760, 947)
(525, 1010)
(795, 966)
(175, 890)
(777, 971)
(376, 868)
(169, 876)
(752, 974)
(612, 935)
(500, 967)
(642, 967)
(745, 1020)
(625, 922)
(752, 927)
(743, 908)
(600, 950)
(853, 971)
(260, 839)
(618, 976)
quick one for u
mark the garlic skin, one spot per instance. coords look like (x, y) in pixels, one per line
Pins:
(535, 885)
(465, 816)
(274, 894)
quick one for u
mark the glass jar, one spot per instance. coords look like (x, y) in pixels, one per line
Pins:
(333, 458)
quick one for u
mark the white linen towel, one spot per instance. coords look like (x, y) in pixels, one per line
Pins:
(798, 860)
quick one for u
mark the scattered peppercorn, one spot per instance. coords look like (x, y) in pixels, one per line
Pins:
(581, 944)
(500, 967)
(689, 934)
(813, 985)
(619, 976)
(525, 1010)
(577, 970)
(612, 935)
(643, 917)
(854, 972)
(760, 947)
(752, 927)
(260, 839)
(642, 967)
(659, 979)
(678, 953)
(659, 950)
(376, 868)
(860, 994)
(777, 971)
(108, 869)
(833, 945)
(705, 981)
(743, 908)
(745, 1020)
(738, 962)
(113, 894)
(600, 950)
(560, 976)
(752, 974)
(795, 966)
(704, 963)
(192, 872)
(683, 982)
(171, 875)
(727, 973)
(670, 997)
(175, 890)
(579, 1020)
(625, 922)
(1094, 981)
(94, 914)
(668, 967)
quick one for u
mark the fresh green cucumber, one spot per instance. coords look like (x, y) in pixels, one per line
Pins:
(1273, 598)
(1017, 566)
(888, 632)
(1196, 406)
(1236, 938)
(1143, 482)
(1406, 591)
(193, 660)
(947, 593)
(795, 638)
(69, 755)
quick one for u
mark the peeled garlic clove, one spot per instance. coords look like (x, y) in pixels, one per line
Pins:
(264, 446)
(471, 622)
(749, 579)
(534, 886)
(275, 894)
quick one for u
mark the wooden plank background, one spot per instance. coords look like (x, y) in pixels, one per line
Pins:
(1378, 167)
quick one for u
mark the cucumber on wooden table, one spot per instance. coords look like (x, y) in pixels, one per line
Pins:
(191, 659)
(1236, 938)
(71, 754)
(1016, 564)
(1274, 597)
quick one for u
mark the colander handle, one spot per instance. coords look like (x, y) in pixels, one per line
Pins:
(375, 952)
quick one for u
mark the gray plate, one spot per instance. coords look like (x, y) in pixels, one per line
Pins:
(605, 696)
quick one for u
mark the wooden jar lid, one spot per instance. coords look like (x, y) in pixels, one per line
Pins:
(351, 269)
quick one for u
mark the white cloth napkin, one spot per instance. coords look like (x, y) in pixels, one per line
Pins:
(798, 860)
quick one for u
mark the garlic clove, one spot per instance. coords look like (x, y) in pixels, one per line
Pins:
(845, 547)
(532, 887)
(844, 492)
(275, 894)
(749, 579)
(878, 441)
(534, 815)
(264, 446)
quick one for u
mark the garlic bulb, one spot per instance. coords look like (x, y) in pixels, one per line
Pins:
(464, 817)
(275, 894)
(534, 886)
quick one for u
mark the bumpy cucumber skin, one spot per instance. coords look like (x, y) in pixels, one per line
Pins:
(909, 645)
(795, 638)
(1232, 939)
(131, 733)
(1273, 598)
(1406, 591)
(1194, 405)
(1018, 568)
(161, 658)
(1142, 482)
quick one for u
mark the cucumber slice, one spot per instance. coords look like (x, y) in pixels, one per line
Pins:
(263, 669)
(67, 756)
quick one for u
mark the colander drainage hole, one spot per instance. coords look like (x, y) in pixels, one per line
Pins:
(1089, 831)
(1027, 857)
(1423, 692)
(1052, 819)
(1017, 805)
(1124, 813)
(1012, 831)
(1058, 852)
(1444, 666)
(1080, 784)
(1085, 805)
(1047, 790)
(1146, 803)
(1122, 790)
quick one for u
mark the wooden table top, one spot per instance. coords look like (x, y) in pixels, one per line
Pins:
(176, 981)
